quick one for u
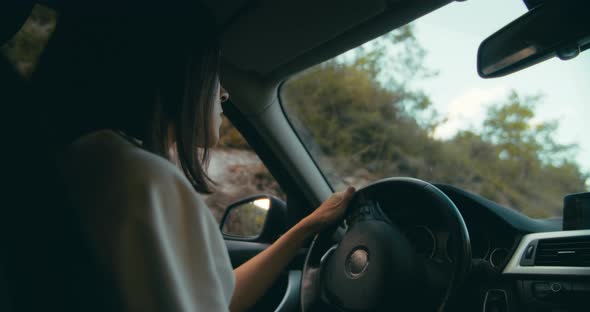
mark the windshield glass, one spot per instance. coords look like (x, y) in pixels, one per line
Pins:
(410, 103)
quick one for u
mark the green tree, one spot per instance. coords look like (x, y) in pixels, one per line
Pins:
(396, 61)
(511, 127)
(517, 161)
(359, 108)
(357, 115)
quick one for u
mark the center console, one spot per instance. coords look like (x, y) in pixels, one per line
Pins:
(552, 270)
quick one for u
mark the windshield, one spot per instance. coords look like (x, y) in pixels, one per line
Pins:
(410, 103)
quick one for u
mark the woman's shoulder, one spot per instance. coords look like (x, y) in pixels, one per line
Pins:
(116, 155)
(107, 159)
(134, 204)
(103, 170)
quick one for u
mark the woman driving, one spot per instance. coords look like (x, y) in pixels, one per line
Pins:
(140, 106)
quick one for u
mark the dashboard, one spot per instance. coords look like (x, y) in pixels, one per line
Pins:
(500, 238)
(508, 273)
(491, 242)
(493, 238)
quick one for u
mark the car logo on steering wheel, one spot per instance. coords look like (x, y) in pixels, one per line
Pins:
(357, 263)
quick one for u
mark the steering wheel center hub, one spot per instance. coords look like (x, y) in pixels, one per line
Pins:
(372, 265)
(357, 262)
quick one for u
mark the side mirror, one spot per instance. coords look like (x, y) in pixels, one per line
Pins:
(260, 218)
(552, 28)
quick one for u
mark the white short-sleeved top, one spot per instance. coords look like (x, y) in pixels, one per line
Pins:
(148, 226)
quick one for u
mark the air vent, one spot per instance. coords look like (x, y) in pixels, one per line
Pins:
(566, 251)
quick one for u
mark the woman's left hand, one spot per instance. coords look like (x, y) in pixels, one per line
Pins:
(330, 211)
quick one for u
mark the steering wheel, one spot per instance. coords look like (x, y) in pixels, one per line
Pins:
(368, 264)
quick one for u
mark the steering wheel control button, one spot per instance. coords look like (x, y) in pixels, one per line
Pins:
(552, 290)
(556, 287)
(357, 263)
(541, 290)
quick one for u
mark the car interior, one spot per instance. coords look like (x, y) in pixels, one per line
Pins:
(497, 259)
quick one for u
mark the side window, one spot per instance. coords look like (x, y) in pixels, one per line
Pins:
(237, 171)
(25, 48)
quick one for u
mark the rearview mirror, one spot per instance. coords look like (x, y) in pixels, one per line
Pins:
(554, 28)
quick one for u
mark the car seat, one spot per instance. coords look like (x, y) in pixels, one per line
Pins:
(45, 264)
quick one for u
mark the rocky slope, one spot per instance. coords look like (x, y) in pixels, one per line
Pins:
(238, 173)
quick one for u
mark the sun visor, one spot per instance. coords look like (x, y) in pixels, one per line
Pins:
(277, 38)
(290, 28)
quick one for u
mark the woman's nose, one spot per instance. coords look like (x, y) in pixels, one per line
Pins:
(223, 95)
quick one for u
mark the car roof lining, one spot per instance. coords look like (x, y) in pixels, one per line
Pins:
(266, 41)
(275, 39)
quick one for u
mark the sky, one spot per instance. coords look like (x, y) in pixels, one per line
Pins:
(451, 36)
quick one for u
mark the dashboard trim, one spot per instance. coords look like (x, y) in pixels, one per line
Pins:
(514, 266)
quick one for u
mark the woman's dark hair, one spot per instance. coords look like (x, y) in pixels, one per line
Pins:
(137, 67)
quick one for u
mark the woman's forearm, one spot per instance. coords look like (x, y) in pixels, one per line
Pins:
(255, 276)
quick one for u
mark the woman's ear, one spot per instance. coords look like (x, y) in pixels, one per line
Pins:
(247, 88)
(223, 94)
